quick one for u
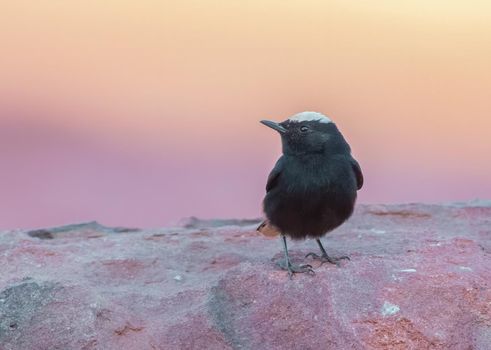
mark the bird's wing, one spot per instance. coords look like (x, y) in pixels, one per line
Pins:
(265, 227)
(358, 173)
(274, 175)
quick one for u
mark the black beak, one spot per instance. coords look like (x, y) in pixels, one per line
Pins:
(274, 125)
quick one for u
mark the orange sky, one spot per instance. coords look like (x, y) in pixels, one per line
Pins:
(167, 85)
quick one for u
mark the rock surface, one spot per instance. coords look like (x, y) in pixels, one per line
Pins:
(419, 278)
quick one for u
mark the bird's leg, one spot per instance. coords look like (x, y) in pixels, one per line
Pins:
(287, 265)
(324, 257)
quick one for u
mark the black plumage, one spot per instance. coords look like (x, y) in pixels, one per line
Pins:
(313, 187)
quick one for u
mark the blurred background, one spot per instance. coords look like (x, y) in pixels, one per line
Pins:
(142, 112)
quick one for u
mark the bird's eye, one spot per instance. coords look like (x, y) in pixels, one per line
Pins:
(304, 128)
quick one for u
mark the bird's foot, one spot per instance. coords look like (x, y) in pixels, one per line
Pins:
(292, 268)
(326, 258)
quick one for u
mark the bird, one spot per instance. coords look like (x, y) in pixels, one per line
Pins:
(313, 186)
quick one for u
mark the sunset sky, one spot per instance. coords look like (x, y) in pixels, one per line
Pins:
(143, 112)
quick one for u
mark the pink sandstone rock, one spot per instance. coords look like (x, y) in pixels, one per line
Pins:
(419, 278)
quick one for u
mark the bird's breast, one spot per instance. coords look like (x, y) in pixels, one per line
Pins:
(312, 197)
(318, 174)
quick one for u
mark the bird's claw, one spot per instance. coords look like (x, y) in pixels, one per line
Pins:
(326, 258)
(292, 268)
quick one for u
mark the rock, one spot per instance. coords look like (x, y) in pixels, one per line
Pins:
(19, 304)
(84, 230)
(419, 278)
(194, 222)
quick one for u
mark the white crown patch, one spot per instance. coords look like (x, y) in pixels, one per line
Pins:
(310, 116)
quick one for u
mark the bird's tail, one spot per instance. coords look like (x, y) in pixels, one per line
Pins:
(267, 229)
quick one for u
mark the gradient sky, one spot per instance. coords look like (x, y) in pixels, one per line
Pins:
(143, 112)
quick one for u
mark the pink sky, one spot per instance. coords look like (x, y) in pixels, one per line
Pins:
(141, 113)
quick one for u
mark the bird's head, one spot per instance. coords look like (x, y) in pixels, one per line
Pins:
(308, 132)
